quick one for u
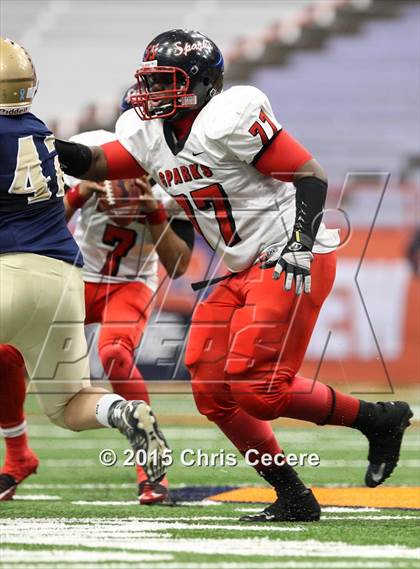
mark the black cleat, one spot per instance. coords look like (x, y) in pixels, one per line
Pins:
(136, 421)
(385, 433)
(8, 487)
(301, 508)
(14, 472)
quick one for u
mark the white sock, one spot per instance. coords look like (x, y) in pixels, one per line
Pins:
(103, 405)
(11, 432)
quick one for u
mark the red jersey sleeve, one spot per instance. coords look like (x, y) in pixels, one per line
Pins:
(121, 164)
(282, 157)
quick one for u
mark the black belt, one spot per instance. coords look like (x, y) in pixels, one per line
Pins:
(203, 284)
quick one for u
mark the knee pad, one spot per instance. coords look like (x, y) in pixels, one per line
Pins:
(10, 356)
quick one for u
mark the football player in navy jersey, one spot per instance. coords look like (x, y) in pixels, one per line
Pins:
(42, 307)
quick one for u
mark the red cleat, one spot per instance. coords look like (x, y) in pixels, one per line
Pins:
(12, 474)
(152, 493)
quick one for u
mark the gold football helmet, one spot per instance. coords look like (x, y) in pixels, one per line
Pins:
(18, 81)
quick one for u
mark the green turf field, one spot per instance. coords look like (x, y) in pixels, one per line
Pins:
(77, 513)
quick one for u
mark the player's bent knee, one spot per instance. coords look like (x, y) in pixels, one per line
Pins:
(116, 358)
(58, 418)
(55, 411)
(54, 398)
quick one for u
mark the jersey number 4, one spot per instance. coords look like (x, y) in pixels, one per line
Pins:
(123, 240)
(29, 177)
(215, 197)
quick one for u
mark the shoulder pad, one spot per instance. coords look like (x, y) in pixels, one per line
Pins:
(223, 113)
(94, 137)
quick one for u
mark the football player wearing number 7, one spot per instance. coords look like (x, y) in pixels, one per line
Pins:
(121, 247)
(42, 307)
(257, 197)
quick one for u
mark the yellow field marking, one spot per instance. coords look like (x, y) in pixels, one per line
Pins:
(386, 497)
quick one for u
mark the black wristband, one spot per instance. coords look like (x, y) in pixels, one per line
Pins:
(311, 193)
(75, 159)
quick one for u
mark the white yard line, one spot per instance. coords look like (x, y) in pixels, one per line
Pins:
(326, 512)
(132, 534)
(56, 555)
(74, 529)
(86, 559)
(36, 497)
(120, 503)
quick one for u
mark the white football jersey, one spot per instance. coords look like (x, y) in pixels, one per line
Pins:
(239, 211)
(133, 254)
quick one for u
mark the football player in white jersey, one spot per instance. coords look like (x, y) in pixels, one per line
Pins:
(257, 197)
(121, 248)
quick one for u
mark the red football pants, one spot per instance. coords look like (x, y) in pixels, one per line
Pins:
(123, 311)
(247, 342)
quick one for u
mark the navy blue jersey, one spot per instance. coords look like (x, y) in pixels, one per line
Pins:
(31, 192)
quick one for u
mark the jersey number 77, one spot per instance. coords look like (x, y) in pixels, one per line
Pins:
(215, 197)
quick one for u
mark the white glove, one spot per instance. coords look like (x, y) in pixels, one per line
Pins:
(295, 259)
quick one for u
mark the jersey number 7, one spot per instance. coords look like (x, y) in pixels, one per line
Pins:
(215, 197)
(123, 240)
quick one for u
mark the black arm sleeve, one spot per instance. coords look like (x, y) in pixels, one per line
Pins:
(184, 230)
(75, 159)
(311, 193)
